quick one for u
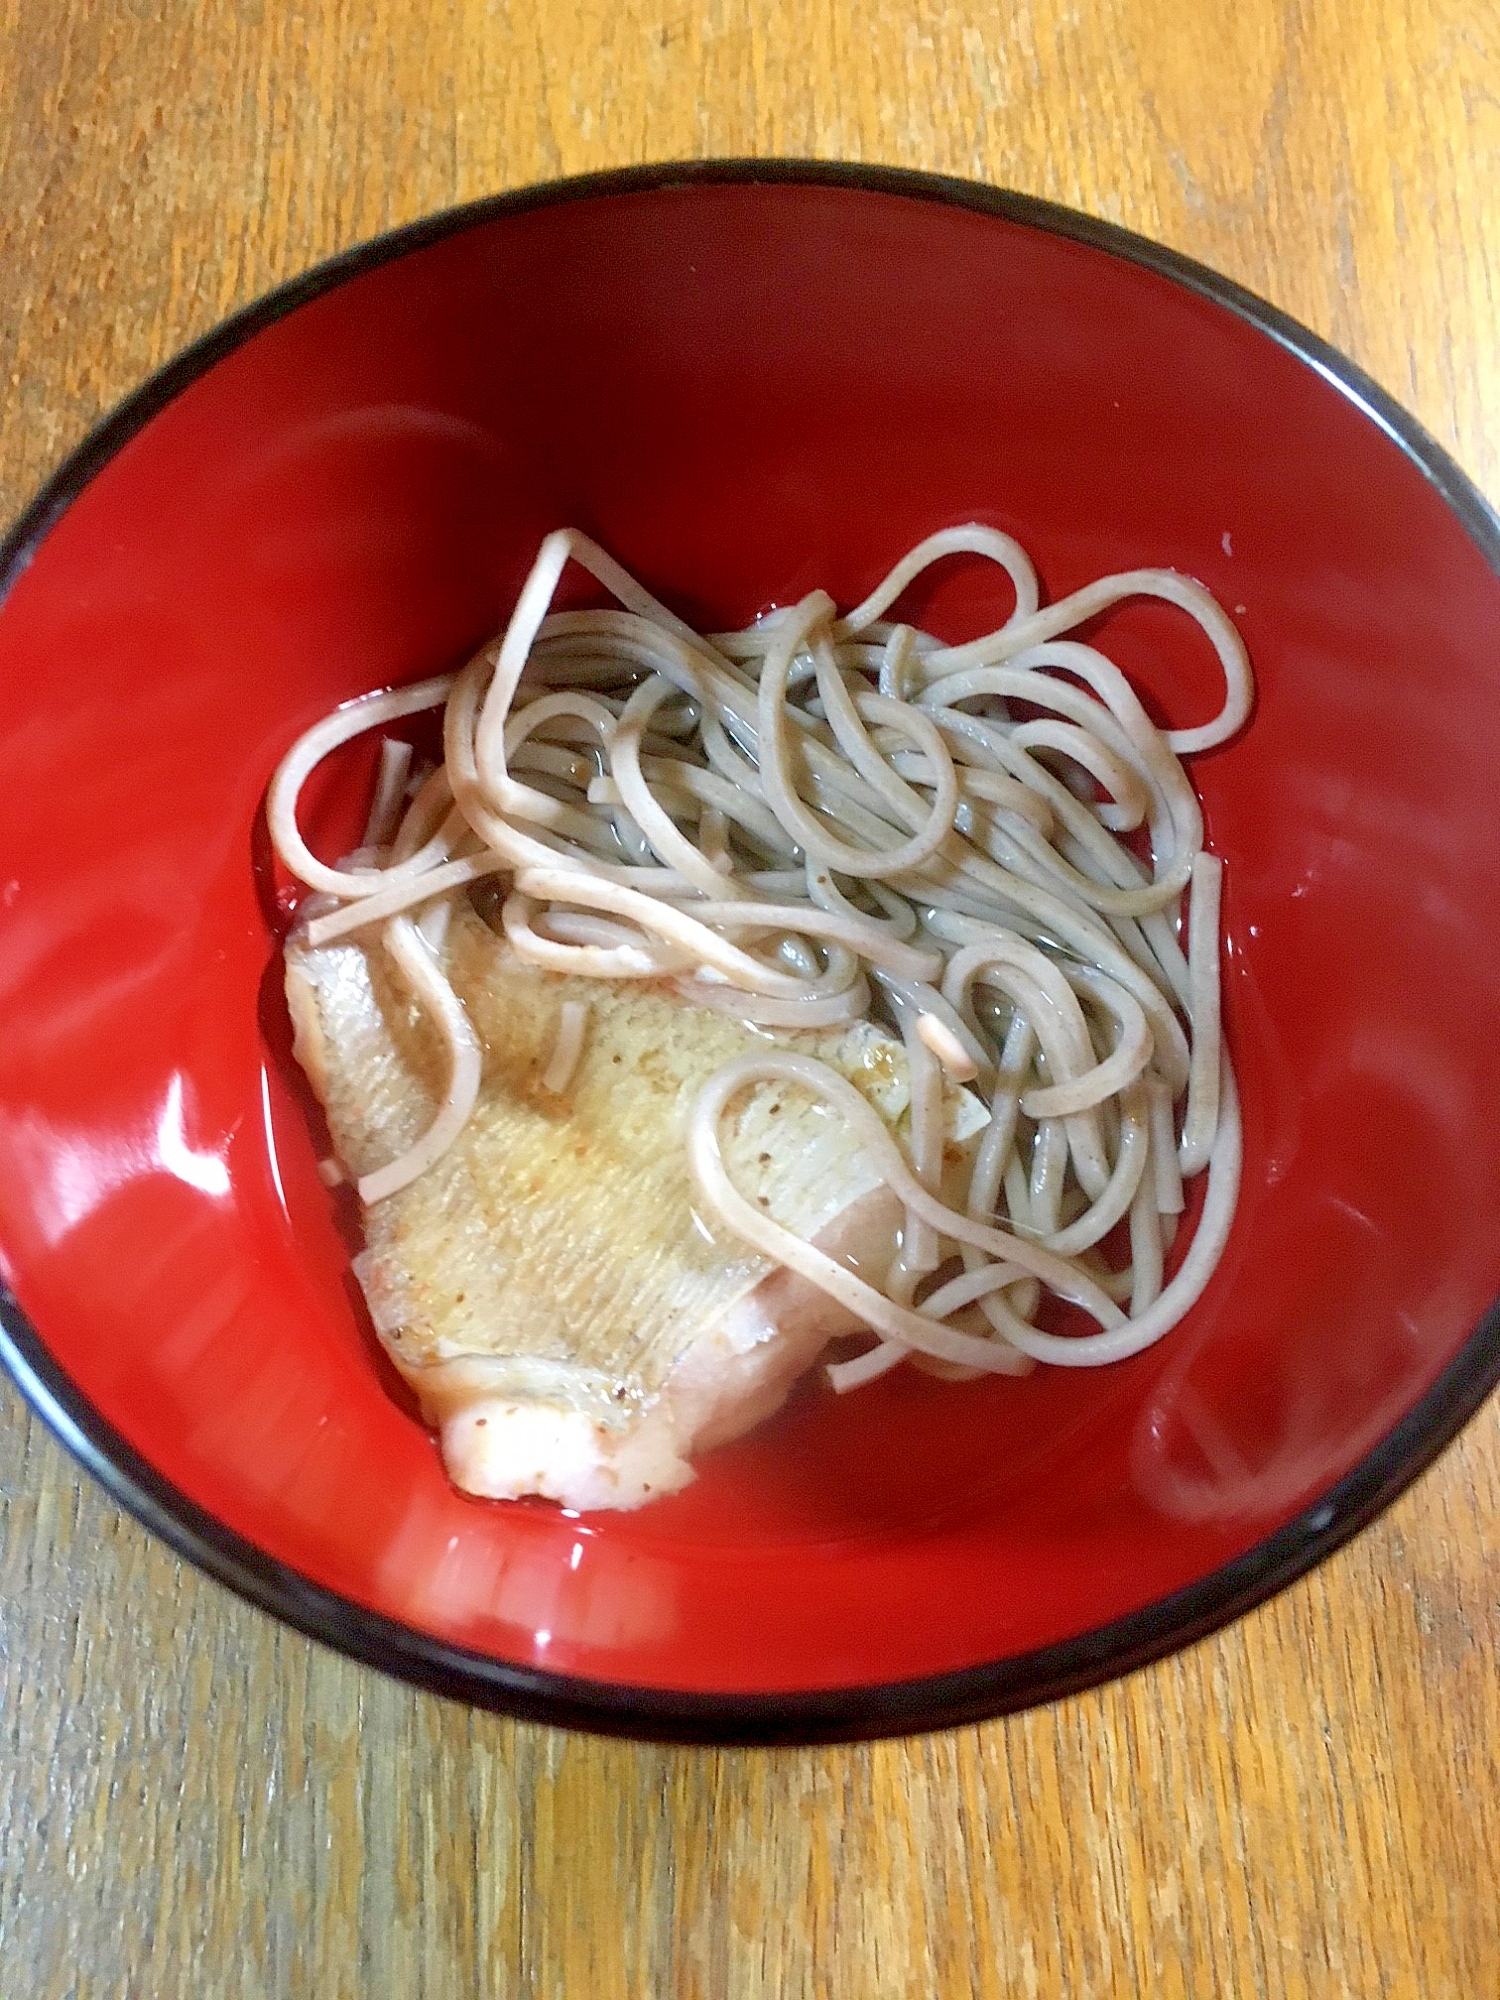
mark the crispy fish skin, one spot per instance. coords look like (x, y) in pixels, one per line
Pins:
(569, 1321)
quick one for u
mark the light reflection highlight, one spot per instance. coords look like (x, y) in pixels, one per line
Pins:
(70, 1175)
(511, 1568)
(206, 1171)
(273, 1158)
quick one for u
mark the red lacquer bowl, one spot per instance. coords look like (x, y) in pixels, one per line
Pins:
(747, 381)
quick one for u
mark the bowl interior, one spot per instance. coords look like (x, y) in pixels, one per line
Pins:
(745, 391)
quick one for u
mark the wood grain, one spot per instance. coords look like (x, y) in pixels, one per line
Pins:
(195, 1802)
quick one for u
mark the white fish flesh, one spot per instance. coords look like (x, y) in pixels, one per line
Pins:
(569, 1322)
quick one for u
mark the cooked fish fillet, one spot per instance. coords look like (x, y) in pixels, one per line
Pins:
(569, 1322)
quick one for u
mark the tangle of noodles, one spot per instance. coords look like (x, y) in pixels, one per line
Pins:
(820, 818)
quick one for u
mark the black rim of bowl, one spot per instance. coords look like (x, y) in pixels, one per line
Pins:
(971, 1694)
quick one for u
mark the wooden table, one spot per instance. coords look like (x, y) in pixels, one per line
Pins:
(196, 1802)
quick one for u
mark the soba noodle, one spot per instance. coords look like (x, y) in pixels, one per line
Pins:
(820, 819)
